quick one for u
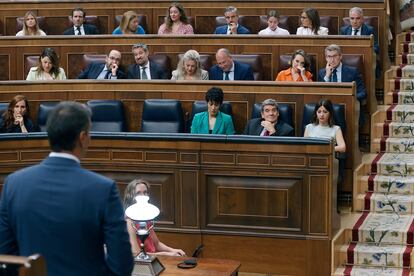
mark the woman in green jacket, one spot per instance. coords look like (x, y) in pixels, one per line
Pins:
(213, 121)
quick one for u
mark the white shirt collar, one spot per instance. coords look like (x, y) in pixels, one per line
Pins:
(64, 155)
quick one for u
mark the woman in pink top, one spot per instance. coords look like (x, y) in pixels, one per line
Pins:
(176, 22)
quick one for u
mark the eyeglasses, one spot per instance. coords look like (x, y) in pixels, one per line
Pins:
(332, 56)
(231, 17)
(303, 17)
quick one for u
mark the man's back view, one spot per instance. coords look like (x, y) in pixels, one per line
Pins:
(64, 212)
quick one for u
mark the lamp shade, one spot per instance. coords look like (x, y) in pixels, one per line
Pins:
(142, 210)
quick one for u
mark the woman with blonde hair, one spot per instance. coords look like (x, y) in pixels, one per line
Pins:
(140, 187)
(129, 24)
(176, 22)
(30, 26)
(48, 68)
(189, 68)
(16, 119)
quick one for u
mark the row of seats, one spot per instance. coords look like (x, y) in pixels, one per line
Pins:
(255, 61)
(254, 23)
(167, 116)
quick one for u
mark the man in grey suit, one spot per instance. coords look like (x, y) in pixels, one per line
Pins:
(144, 69)
(71, 216)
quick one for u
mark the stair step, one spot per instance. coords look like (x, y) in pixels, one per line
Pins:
(380, 202)
(401, 113)
(384, 228)
(395, 145)
(401, 164)
(387, 184)
(368, 254)
(394, 129)
(371, 271)
(400, 97)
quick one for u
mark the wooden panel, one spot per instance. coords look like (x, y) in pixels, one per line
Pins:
(244, 203)
(190, 192)
(318, 202)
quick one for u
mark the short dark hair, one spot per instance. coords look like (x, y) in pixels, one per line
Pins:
(273, 13)
(215, 95)
(79, 9)
(329, 107)
(64, 124)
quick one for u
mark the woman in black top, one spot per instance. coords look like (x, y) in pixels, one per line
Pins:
(16, 119)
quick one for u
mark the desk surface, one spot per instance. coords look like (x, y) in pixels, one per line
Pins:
(205, 266)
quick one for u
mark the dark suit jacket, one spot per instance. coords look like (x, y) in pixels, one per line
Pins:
(240, 30)
(254, 127)
(89, 30)
(66, 214)
(365, 30)
(349, 74)
(156, 72)
(94, 69)
(242, 71)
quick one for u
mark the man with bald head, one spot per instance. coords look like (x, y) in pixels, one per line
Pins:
(108, 70)
(229, 69)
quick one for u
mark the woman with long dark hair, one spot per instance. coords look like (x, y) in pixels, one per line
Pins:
(16, 119)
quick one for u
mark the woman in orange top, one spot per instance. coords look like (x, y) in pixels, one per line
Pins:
(298, 71)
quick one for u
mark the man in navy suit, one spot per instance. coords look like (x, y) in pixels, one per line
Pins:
(143, 68)
(70, 215)
(228, 69)
(269, 124)
(233, 27)
(335, 71)
(358, 27)
(78, 28)
(108, 70)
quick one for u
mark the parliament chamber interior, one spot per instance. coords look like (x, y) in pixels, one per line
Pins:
(277, 205)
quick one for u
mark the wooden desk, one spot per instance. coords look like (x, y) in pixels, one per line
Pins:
(205, 266)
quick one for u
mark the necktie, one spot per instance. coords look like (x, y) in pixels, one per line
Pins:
(78, 31)
(334, 77)
(266, 133)
(355, 31)
(108, 73)
(144, 75)
(226, 75)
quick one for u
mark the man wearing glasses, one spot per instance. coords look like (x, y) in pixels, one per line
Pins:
(232, 27)
(108, 70)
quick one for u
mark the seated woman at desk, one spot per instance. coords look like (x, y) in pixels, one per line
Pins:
(48, 68)
(16, 119)
(189, 68)
(299, 68)
(176, 22)
(213, 121)
(129, 24)
(152, 243)
(322, 125)
(310, 23)
(30, 26)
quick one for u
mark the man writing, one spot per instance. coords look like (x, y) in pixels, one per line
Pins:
(269, 124)
(79, 28)
(144, 69)
(108, 70)
(228, 69)
(62, 211)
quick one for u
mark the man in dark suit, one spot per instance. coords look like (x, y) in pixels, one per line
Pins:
(358, 27)
(143, 68)
(269, 124)
(108, 70)
(71, 216)
(78, 28)
(335, 71)
(233, 27)
(228, 69)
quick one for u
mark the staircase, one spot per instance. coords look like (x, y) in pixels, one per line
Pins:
(380, 238)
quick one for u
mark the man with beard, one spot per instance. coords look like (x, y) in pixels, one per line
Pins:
(144, 69)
